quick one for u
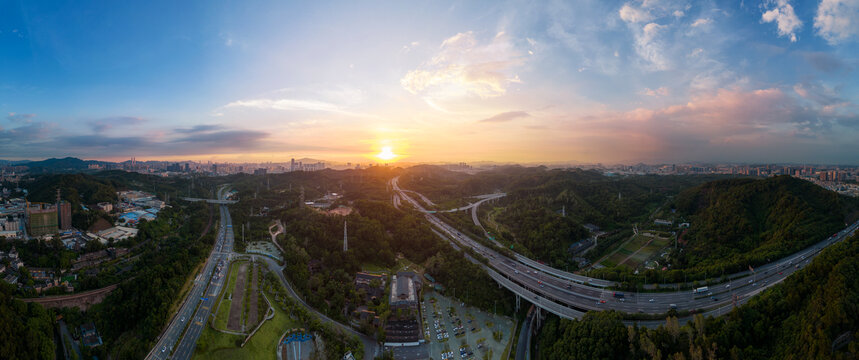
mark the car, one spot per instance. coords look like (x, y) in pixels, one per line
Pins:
(621, 300)
(727, 286)
(602, 301)
(163, 348)
(183, 319)
(516, 271)
(751, 281)
(651, 300)
(714, 298)
(781, 272)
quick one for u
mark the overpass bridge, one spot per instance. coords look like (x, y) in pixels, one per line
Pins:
(211, 201)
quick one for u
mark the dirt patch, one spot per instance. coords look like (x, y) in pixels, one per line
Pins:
(253, 313)
(234, 322)
(99, 225)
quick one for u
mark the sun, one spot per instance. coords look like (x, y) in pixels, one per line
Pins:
(386, 153)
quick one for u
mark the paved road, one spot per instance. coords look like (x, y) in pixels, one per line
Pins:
(523, 347)
(207, 299)
(208, 282)
(554, 290)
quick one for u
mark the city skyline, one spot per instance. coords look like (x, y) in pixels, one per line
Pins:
(609, 82)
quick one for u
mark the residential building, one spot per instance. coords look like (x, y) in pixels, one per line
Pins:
(42, 219)
(65, 215)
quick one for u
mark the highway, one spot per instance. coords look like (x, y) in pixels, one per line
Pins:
(197, 305)
(569, 295)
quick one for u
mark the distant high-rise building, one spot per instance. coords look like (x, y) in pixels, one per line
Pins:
(292, 164)
(65, 215)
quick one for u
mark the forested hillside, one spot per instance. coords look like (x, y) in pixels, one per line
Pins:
(741, 222)
(26, 329)
(531, 216)
(800, 318)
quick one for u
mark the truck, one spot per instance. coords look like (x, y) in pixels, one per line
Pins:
(701, 290)
(618, 295)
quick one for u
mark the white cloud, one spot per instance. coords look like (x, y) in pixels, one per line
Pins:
(782, 14)
(650, 48)
(410, 46)
(463, 67)
(836, 20)
(679, 14)
(661, 91)
(632, 14)
(701, 22)
(285, 104)
(337, 100)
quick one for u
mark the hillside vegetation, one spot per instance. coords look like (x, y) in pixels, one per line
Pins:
(531, 213)
(741, 222)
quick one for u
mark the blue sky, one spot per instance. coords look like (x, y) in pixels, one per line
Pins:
(584, 81)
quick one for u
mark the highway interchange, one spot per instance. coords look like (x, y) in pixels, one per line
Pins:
(569, 295)
(562, 293)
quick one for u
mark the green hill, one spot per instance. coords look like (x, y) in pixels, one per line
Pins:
(741, 222)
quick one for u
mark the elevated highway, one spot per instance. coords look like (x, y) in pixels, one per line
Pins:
(211, 201)
(570, 295)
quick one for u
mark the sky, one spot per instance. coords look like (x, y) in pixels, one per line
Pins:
(656, 81)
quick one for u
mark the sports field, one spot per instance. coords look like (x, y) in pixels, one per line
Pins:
(635, 251)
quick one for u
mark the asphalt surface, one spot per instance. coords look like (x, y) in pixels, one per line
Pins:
(543, 285)
(197, 305)
(523, 347)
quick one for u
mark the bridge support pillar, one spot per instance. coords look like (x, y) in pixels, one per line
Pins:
(517, 303)
(539, 317)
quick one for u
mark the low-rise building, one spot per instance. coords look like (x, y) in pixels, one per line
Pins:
(105, 206)
(372, 284)
(663, 222)
(89, 335)
(404, 290)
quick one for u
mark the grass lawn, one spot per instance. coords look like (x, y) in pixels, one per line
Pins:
(640, 244)
(225, 302)
(263, 345)
(614, 259)
(376, 269)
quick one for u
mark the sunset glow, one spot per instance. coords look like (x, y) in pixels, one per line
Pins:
(386, 154)
(604, 81)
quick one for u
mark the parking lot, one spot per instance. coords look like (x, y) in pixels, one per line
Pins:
(454, 331)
